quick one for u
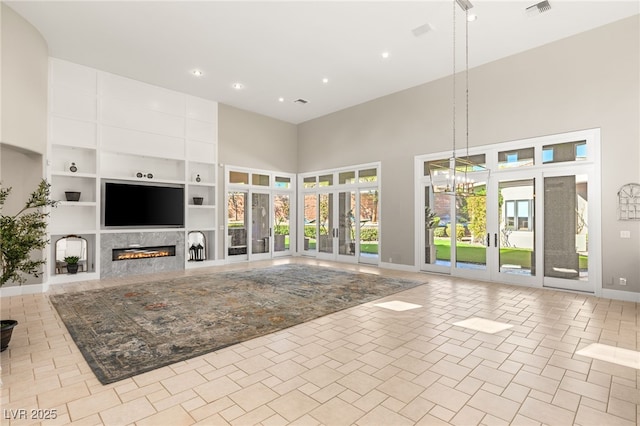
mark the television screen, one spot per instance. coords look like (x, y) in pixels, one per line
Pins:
(131, 205)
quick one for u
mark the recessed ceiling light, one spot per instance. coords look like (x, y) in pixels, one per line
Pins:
(325, 80)
(472, 17)
(385, 55)
(197, 73)
(280, 99)
(238, 86)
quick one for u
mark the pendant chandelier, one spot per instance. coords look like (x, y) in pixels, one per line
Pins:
(458, 175)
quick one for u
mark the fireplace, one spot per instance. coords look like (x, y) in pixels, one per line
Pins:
(131, 253)
(148, 252)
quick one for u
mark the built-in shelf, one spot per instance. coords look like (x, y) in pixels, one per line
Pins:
(77, 204)
(102, 125)
(197, 206)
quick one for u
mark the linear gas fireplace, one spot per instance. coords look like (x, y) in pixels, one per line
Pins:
(131, 253)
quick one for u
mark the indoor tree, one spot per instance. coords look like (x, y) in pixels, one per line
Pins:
(22, 233)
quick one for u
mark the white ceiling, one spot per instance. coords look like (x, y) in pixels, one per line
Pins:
(284, 49)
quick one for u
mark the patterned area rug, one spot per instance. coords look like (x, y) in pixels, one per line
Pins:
(127, 330)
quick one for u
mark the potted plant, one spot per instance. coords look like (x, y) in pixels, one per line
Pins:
(431, 221)
(281, 228)
(6, 329)
(349, 223)
(20, 234)
(72, 264)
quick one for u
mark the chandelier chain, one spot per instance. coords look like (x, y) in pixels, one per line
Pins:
(466, 65)
(453, 154)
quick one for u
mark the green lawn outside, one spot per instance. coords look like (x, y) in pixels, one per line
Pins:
(473, 253)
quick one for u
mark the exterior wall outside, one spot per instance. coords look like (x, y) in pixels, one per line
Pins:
(584, 81)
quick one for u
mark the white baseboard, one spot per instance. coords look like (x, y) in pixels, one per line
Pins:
(398, 267)
(627, 296)
(20, 290)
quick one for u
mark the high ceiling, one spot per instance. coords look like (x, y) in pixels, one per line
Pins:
(282, 51)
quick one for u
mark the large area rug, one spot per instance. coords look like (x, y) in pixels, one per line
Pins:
(127, 330)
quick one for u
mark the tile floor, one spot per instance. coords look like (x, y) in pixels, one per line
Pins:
(368, 365)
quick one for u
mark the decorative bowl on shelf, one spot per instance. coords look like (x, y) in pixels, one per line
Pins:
(72, 195)
(198, 201)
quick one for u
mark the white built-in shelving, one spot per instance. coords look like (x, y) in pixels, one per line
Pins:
(112, 128)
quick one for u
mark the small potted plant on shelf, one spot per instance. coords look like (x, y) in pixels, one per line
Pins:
(20, 234)
(72, 264)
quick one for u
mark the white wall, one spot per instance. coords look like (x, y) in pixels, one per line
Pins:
(24, 84)
(23, 109)
(586, 81)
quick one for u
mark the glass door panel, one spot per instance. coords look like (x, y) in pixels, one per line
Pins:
(566, 225)
(436, 217)
(368, 226)
(282, 220)
(346, 223)
(260, 223)
(310, 223)
(326, 223)
(469, 230)
(516, 221)
(236, 223)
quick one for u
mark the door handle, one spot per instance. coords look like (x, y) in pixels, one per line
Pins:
(488, 239)
(495, 240)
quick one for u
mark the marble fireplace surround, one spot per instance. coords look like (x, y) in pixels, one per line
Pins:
(118, 268)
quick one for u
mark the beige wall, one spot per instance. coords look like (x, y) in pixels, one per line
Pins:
(23, 106)
(24, 84)
(585, 81)
(22, 171)
(247, 139)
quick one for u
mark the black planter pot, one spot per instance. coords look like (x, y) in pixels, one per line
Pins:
(6, 329)
(72, 268)
(72, 195)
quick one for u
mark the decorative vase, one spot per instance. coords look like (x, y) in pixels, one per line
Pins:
(73, 168)
(72, 268)
(6, 330)
(198, 201)
(198, 178)
(72, 195)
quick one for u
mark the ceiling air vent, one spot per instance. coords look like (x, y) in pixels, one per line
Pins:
(301, 101)
(538, 8)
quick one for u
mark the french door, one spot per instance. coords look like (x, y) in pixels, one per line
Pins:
(260, 205)
(528, 222)
(262, 231)
(341, 214)
(336, 228)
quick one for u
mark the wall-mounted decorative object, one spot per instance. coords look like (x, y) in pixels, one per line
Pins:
(72, 195)
(629, 202)
(142, 175)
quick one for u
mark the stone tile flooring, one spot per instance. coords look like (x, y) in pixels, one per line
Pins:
(367, 365)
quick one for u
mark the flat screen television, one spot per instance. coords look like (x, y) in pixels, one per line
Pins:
(132, 205)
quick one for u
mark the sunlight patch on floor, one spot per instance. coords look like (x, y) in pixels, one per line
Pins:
(484, 325)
